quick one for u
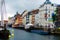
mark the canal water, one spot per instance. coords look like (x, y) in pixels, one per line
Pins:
(17, 34)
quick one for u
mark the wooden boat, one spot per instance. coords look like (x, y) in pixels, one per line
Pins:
(4, 33)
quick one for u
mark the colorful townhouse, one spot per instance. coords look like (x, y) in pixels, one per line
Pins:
(45, 14)
(29, 16)
(18, 20)
(11, 21)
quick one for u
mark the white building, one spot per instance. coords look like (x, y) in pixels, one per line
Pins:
(27, 18)
(37, 18)
(44, 17)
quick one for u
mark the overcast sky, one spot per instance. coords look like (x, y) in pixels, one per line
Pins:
(12, 6)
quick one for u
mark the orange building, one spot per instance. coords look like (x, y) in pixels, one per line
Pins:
(30, 16)
(18, 20)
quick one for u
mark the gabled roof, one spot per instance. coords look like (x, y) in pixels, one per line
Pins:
(17, 14)
(47, 2)
(35, 11)
(30, 12)
(23, 12)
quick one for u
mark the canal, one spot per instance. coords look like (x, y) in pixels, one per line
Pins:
(17, 34)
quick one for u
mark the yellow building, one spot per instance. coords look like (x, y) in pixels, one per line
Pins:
(18, 20)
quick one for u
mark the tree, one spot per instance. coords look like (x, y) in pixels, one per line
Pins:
(54, 15)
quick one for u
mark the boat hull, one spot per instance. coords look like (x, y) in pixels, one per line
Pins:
(19, 28)
(4, 34)
(40, 32)
(9, 25)
(37, 30)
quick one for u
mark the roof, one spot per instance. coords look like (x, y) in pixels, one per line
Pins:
(23, 12)
(35, 11)
(17, 14)
(47, 2)
(31, 12)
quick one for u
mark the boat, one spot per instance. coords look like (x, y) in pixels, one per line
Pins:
(17, 26)
(4, 32)
(31, 28)
(9, 25)
(42, 32)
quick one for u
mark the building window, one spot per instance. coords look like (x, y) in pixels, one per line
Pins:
(27, 22)
(52, 4)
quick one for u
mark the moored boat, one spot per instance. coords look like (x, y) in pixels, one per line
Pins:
(9, 25)
(42, 32)
(17, 26)
(56, 31)
(31, 28)
(4, 33)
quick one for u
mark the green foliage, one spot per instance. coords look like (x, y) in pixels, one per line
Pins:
(9, 17)
(54, 18)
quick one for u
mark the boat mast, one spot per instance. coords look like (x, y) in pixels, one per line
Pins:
(2, 12)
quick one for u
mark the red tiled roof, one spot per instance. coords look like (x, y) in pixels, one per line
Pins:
(35, 11)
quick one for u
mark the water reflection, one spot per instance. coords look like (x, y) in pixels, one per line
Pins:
(23, 35)
(56, 37)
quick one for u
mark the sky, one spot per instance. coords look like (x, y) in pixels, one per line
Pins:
(12, 6)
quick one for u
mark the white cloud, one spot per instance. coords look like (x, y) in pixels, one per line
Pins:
(12, 6)
(55, 1)
(21, 5)
(9, 11)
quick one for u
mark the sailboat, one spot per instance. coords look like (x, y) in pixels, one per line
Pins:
(4, 33)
